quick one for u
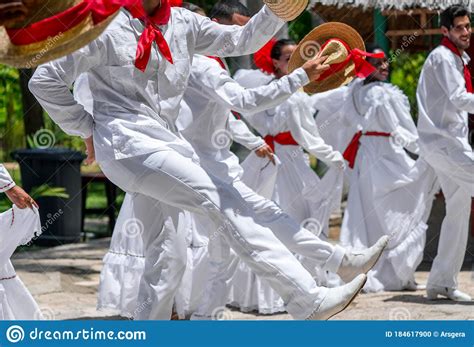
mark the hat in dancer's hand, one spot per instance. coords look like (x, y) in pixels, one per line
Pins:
(346, 54)
(287, 9)
(54, 28)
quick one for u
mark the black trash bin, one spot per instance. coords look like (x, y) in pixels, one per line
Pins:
(56, 167)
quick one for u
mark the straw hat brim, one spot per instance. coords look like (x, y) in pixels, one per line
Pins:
(310, 46)
(287, 9)
(65, 43)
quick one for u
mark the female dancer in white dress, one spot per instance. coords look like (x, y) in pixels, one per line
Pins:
(289, 129)
(390, 193)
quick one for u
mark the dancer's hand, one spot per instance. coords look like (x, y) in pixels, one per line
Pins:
(20, 198)
(315, 67)
(265, 152)
(90, 151)
(12, 11)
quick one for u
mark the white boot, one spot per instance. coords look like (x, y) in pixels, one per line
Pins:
(450, 293)
(361, 262)
(338, 299)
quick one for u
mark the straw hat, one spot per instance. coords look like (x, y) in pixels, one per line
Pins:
(329, 36)
(65, 40)
(287, 9)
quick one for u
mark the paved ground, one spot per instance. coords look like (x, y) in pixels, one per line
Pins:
(64, 281)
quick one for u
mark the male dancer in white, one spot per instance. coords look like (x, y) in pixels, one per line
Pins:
(445, 98)
(210, 94)
(137, 146)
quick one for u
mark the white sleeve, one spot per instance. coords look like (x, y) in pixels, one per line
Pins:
(405, 128)
(6, 181)
(304, 130)
(215, 83)
(453, 84)
(232, 40)
(51, 84)
(242, 134)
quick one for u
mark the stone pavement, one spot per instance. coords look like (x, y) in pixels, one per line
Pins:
(64, 281)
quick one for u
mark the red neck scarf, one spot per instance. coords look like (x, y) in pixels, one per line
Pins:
(152, 34)
(446, 42)
(362, 67)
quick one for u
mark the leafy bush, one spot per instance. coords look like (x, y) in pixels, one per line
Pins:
(406, 70)
(11, 112)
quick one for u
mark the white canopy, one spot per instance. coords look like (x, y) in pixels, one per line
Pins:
(397, 4)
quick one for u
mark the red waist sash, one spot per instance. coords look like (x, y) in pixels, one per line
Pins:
(350, 154)
(281, 139)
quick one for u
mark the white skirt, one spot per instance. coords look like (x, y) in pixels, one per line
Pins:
(305, 197)
(390, 194)
(17, 227)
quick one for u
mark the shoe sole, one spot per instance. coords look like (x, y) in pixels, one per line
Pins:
(351, 300)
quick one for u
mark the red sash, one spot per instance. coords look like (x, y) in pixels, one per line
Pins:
(350, 154)
(467, 74)
(362, 67)
(284, 139)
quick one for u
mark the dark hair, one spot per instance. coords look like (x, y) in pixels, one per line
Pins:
(371, 47)
(451, 13)
(192, 7)
(225, 9)
(278, 47)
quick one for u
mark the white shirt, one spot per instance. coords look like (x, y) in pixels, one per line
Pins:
(444, 103)
(6, 181)
(211, 95)
(375, 106)
(135, 112)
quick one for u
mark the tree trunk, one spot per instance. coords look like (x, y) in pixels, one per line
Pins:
(32, 110)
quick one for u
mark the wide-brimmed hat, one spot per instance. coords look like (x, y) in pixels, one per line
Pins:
(287, 9)
(54, 29)
(345, 49)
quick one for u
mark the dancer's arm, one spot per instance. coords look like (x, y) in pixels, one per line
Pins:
(6, 181)
(406, 128)
(453, 84)
(242, 134)
(305, 131)
(214, 83)
(15, 193)
(51, 84)
(231, 40)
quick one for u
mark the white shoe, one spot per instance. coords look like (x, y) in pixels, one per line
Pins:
(450, 293)
(361, 262)
(338, 299)
(412, 286)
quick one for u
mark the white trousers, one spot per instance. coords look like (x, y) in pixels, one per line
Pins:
(175, 180)
(297, 239)
(456, 176)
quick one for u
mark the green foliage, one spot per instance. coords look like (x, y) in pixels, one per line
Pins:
(300, 27)
(11, 111)
(46, 191)
(406, 70)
